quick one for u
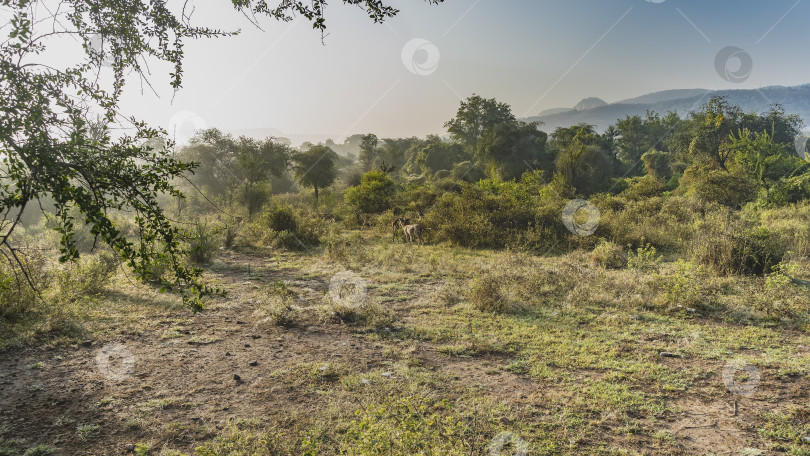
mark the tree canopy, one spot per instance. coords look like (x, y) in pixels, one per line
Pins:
(48, 147)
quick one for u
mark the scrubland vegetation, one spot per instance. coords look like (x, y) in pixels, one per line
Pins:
(507, 329)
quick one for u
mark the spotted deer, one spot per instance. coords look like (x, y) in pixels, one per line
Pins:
(398, 224)
(414, 233)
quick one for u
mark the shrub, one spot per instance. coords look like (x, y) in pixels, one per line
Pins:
(292, 231)
(486, 294)
(87, 276)
(644, 258)
(374, 193)
(681, 285)
(609, 256)
(736, 248)
(282, 218)
(203, 242)
(643, 187)
(16, 295)
(708, 182)
(657, 164)
(486, 214)
(278, 308)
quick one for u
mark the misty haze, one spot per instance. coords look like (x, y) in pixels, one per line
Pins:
(389, 227)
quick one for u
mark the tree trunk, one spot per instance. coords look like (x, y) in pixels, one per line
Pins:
(316, 192)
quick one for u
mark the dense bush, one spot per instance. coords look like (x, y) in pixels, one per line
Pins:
(709, 182)
(609, 255)
(374, 193)
(736, 247)
(487, 214)
(281, 218)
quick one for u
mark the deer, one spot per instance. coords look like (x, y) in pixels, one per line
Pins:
(398, 224)
(414, 233)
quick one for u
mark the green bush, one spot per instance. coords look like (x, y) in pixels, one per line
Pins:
(203, 242)
(708, 182)
(373, 195)
(87, 276)
(491, 214)
(282, 218)
(643, 187)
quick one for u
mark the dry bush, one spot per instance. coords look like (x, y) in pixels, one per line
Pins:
(276, 306)
(728, 245)
(609, 256)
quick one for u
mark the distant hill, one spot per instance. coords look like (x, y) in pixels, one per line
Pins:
(795, 100)
(590, 103)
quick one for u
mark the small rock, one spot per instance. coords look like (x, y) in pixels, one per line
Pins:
(806, 438)
(247, 345)
(366, 381)
(254, 363)
(237, 378)
(88, 343)
(227, 353)
(130, 448)
(386, 374)
(240, 322)
(669, 355)
(256, 336)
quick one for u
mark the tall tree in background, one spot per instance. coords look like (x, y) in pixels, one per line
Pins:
(315, 168)
(510, 148)
(369, 151)
(45, 136)
(474, 116)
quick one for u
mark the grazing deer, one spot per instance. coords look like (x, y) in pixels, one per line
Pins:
(414, 233)
(398, 224)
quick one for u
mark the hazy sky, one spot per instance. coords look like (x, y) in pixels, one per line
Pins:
(533, 55)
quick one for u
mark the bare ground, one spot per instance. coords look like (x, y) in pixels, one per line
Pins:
(188, 382)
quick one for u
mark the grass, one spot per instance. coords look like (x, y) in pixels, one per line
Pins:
(555, 351)
(596, 335)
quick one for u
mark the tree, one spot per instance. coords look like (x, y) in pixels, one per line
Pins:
(374, 193)
(258, 162)
(368, 151)
(315, 168)
(582, 160)
(510, 148)
(46, 143)
(762, 157)
(439, 156)
(473, 117)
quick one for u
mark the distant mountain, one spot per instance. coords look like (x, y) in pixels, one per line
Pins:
(795, 100)
(551, 111)
(590, 103)
(666, 95)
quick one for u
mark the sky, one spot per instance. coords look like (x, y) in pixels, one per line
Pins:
(406, 77)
